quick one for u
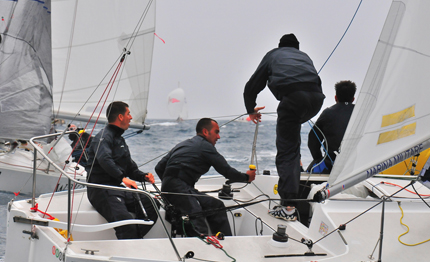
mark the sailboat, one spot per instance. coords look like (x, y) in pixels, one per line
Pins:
(26, 102)
(65, 81)
(356, 216)
(177, 104)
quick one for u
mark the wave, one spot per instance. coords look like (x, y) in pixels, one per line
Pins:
(165, 124)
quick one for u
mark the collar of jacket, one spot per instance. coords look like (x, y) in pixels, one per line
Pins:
(118, 131)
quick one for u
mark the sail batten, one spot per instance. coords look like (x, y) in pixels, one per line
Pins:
(391, 117)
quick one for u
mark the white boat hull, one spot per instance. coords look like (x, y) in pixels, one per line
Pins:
(16, 174)
(356, 243)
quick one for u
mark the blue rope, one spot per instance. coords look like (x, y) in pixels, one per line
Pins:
(322, 144)
(341, 37)
(352, 19)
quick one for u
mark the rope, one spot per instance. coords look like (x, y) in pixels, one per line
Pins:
(407, 231)
(341, 37)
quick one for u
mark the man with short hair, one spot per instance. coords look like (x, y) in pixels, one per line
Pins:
(330, 128)
(110, 164)
(182, 167)
(292, 78)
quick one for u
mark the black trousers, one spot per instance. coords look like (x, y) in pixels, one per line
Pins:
(116, 206)
(293, 111)
(190, 200)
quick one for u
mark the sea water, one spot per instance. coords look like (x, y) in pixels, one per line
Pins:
(235, 145)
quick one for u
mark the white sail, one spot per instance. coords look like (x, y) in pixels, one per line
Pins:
(391, 119)
(25, 68)
(177, 104)
(89, 37)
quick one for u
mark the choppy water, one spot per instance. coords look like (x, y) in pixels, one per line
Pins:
(235, 145)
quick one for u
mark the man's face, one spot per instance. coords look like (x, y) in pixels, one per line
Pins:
(213, 135)
(125, 119)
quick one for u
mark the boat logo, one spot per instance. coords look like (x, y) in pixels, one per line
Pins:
(275, 189)
(57, 253)
(323, 229)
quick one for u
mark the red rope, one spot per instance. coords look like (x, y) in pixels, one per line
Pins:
(108, 87)
(388, 183)
(36, 208)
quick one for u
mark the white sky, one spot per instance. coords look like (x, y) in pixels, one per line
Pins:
(213, 47)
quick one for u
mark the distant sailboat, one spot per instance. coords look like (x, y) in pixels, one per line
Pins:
(177, 104)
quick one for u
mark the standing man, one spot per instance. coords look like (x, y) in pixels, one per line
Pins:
(110, 164)
(330, 128)
(294, 81)
(182, 167)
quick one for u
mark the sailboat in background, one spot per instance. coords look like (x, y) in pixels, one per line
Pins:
(363, 217)
(26, 99)
(177, 104)
(70, 84)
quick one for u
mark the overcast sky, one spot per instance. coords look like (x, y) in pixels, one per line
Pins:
(213, 47)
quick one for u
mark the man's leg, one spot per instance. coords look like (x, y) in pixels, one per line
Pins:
(134, 206)
(185, 202)
(219, 221)
(111, 205)
(288, 157)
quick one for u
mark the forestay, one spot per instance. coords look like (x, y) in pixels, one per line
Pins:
(89, 38)
(391, 119)
(26, 70)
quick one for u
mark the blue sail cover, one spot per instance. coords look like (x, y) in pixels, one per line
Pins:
(25, 69)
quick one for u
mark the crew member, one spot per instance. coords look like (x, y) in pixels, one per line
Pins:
(291, 77)
(330, 128)
(182, 167)
(110, 164)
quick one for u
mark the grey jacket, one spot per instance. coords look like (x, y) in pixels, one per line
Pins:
(193, 158)
(281, 69)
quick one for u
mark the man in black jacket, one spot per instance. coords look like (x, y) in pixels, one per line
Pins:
(182, 167)
(330, 128)
(292, 78)
(110, 163)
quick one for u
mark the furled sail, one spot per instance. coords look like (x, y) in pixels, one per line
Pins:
(25, 69)
(177, 104)
(89, 37)
(391, 119)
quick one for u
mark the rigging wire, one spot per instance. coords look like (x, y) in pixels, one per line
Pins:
(69, 51)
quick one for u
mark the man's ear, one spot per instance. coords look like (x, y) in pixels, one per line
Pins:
(205, 132)
(120, 117)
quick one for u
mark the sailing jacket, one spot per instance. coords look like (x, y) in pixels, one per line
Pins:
(332, 123)
(192, 158)
(284, 70)
(113, 161)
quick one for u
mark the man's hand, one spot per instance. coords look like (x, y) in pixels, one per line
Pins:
(129, 183)
(251, 174)
(256, 116)
(150, 178)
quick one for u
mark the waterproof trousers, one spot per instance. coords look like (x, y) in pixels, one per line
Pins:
(188, 200)
(116, 205)
(293, 110)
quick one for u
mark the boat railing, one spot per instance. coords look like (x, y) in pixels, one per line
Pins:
(71, 179)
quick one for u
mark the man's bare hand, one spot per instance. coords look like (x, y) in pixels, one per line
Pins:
(251, 174)
(129, 183)
(150, 178)
(256, 116)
